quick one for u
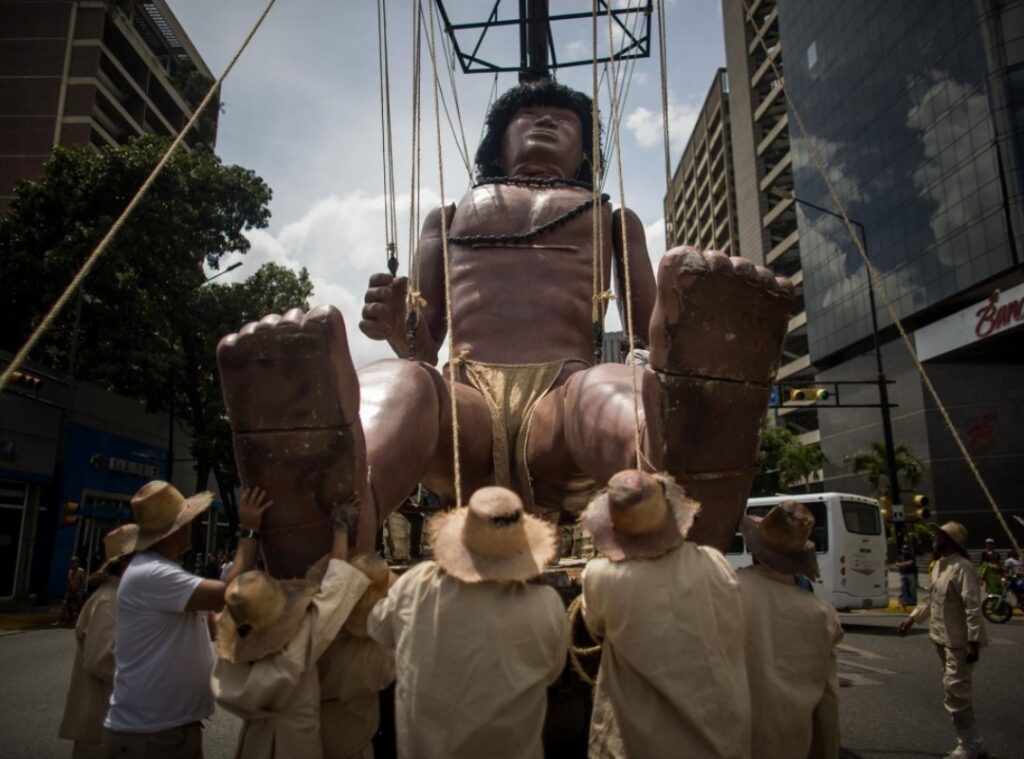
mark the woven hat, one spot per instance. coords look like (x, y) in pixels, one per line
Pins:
(261, 615)
(381, 578)
(159, 511)
(117, 544)
(639, 516)
(954, 530)
(781, 539)
(492, 538)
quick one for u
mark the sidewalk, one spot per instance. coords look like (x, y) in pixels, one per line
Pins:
(16, 616)
(922, 592)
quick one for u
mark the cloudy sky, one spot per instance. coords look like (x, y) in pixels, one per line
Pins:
(301, 108)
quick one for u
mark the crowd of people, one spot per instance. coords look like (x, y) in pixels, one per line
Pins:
(696, 659)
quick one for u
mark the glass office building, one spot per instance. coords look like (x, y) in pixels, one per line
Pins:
(895, 97)
(915, 108)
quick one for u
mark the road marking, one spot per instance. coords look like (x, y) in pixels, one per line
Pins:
(853, 657)
(846, 648)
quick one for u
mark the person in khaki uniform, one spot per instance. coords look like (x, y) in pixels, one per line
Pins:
(791, 638)
(270, 636)
(353, 671)
(957, 629)
(673, 679)
(92, 674)
(476, 646)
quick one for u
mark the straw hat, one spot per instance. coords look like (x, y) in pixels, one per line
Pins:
(381, 578)
(493, 538)
(954, 530)
(781, 539)
(116, 545)
(261, 615)
(159, 511)
(639, 516)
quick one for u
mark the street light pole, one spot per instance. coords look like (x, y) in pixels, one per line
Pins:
(883, 387)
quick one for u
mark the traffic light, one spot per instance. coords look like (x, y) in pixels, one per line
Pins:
(70, 515)
(919, 511)
(808, 394)
(885, 504)
(27, 381)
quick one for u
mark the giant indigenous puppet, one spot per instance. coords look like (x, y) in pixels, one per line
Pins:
(534, 411)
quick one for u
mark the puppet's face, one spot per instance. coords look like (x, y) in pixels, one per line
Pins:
(542, 140)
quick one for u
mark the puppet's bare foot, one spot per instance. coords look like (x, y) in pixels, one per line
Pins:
(716, 338)
(292, 398)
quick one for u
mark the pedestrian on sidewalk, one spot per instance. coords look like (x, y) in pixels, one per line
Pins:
(74, 594)
(163, 657)
(270, 637)
(906, 565)
(476, 645)
(957, 630)
(791, 638)
(353, 672)
(673, 678)
(92, 674)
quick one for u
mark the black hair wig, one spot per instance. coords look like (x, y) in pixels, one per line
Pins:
(542, 92)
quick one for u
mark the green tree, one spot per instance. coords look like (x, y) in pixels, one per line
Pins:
(784, 462)
(149, 325)
(871, 464)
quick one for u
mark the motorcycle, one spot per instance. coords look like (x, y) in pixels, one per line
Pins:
(997, 607)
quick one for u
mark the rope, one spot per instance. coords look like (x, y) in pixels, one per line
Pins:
(625, 250)
(663, 66)
(452, 362)
(449, 59)
(94, 257)
(879, 286)
(414, 300)
(387, 151)
(597, 215)
(463, 152)
(575, 652)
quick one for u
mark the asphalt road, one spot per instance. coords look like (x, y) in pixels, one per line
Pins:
(890, 706)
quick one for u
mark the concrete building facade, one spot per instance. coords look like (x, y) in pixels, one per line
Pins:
(766, 212)
(701, 208)
(92, 72)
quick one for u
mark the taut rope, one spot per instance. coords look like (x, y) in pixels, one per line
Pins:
(453, 359)
(625, 248)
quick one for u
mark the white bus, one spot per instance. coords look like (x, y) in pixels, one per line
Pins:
(850, 539)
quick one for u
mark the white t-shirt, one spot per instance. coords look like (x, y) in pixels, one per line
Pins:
(162, 655)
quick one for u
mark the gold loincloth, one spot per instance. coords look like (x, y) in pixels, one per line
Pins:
(512, 392)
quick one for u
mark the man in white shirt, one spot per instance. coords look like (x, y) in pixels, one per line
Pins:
(163, 657)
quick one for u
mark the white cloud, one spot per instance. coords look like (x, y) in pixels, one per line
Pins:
(940, 158)
(646, 125)
(340, 240)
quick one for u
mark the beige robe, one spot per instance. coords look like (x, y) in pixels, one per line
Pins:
(673, 679)
(791, 666)
(954, 604)
(92, 674)
(353, 672)
(474, 662)
(278, 696)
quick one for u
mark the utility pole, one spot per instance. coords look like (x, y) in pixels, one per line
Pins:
(534, 38)
(883, 388)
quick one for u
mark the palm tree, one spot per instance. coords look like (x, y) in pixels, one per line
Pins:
(798, 463)
(872, 466)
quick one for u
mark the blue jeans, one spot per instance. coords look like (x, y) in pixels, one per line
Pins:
(908, 590)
